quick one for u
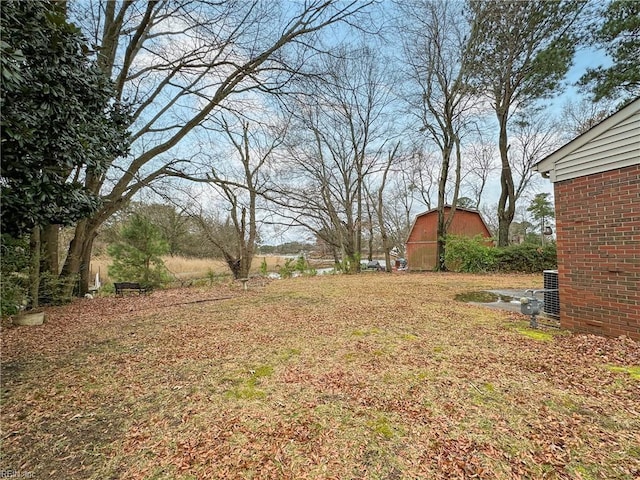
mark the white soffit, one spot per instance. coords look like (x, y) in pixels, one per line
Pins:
(613, 143)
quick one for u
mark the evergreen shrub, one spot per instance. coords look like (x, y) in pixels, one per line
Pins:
(469, 254)
(527, 258)
(137, 257)
(475, 255)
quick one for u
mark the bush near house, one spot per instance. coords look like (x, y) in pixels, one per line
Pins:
(473, 255)
(527, 258)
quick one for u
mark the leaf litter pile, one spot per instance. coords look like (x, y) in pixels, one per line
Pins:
(338, 377)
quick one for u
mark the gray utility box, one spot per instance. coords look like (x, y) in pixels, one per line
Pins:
(531, 306)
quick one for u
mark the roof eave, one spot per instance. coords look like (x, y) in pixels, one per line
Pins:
(546, 166)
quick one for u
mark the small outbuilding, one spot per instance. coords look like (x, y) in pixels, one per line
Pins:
(596, 180)
(422, 242)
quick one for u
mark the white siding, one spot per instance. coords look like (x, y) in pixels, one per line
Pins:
(613, 143)
(617, 147)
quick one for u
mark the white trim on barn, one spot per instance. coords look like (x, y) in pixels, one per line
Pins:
(613, 143)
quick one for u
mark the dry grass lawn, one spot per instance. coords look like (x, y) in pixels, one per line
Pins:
(337, 377)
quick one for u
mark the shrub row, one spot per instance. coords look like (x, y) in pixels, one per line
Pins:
(476, 255)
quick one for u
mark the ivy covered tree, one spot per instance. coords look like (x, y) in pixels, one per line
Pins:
(619, 36)
(137, 257)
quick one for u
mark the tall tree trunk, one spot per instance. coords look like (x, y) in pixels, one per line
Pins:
(247, 243)
(441, 232)
(356, 267)
(506, 203)
(442, 243)
(49, 263)
(335, 255)
(386, 244)
(78, 255)
(34, 266)
(85, 263)
(387, 255)
(246, 259)
(370, 239)
(380, 211)
(71, 265)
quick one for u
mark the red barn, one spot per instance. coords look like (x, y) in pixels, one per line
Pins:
(422, 241)
(596, 180)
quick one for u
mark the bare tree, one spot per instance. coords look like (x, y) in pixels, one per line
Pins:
(578, 117)
(171, 221)
(421, 176)
(533, 138)
(179, 62)
(239, 178)
(489, 215)
(342, 129)
(398, 212)
(435, 51)
(376, 200)
(218, 231)
(481, 163)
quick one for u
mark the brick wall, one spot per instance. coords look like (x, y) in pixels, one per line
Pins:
(598, 230)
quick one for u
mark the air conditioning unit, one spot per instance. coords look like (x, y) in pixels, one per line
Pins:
(551, 294)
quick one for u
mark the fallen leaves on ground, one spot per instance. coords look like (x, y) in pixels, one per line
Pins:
(338, 377)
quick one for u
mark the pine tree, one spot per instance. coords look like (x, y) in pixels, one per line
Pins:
(137, 257)
(541, 209)
(619, 36)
